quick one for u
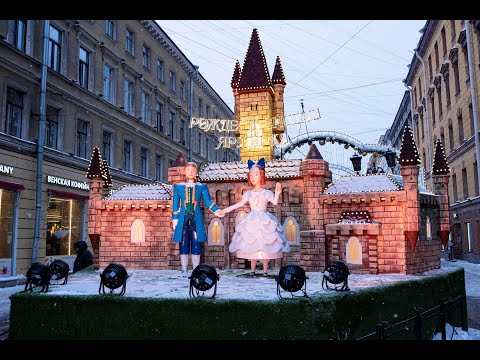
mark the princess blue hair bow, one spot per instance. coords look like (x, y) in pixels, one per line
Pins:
(260, 162)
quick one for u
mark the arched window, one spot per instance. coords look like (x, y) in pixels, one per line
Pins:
(292, 230)
(137, 231)
(240, 215)
(354, 251)
(285, 195)
(428, 227)
(218, 197)
(231, 197)
(216, 232)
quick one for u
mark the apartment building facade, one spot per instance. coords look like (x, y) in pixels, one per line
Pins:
(120, 85)
(441, 79)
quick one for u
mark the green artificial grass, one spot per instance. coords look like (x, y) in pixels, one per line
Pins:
(337, 315)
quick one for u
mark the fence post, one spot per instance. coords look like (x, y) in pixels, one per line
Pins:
(443, 322)
(418, 324)
(380, 331)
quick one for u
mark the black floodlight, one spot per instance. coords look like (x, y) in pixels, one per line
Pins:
(203, 278)
(59, 270)
(38, 275)
(291, 278)
(113, 277)
(336, 273)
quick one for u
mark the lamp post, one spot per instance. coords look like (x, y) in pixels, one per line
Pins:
(390, 156)
(356, 162)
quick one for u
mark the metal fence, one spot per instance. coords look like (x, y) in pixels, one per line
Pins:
(413, 327)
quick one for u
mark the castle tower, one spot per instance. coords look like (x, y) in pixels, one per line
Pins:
(255, 103)
(278, 81)
(409, 161)
(234, 84)
(441, 177)
(96, 174)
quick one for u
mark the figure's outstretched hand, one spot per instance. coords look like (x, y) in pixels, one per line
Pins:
(220, 213)
(278, 187)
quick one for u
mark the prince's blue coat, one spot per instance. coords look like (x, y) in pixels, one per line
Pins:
(178, 208)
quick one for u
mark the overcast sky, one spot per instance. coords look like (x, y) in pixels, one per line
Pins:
(350, 70)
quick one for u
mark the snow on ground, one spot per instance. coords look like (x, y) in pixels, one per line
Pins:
(455, 333)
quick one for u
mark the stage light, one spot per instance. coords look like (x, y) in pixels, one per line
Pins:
(336, 273)
(291, 278)
(113, 277)
(59, 270)
(38, 275)
(203, 278)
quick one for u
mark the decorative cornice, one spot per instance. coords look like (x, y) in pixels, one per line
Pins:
(445, 68)
(453, 55)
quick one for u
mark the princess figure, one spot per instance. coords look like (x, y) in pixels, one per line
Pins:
(258, 235)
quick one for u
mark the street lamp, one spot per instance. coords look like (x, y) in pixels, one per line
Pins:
(356, 162)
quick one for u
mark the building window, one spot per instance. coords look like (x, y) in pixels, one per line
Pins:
(82, 137)
(182, 132)
(173, 81)
(472, 123)
(51, 128)
(144, 162)
(129, 97)
(54, 48)
(451, 138)
(437, 58)
(452, 30)
(354, 251)
(146, 57)
(456, 77)
(218, 198)
(428, 227)
(207, 112)
(446, 78)
(200, 143)
(108, 83)
(469, 236)
(170, 163)
(172, 124)
(83, 67)
(159, 117)
(207, 146)
(14, 112)
(129, 44)
(65, 219)
(200, 107)
(461, 135)
(292, 230)
(465, 183)
(158, 168)
(430, 67)
(444, 42)
(107, 147)
(442, 137)
(454, 187)
(182, 91)
(7, 208)
(145, 108)
(110, 28)
(137, 231)
(160, 74)
(127, 156)
(440, 105)
(432, 102)
(19, 34)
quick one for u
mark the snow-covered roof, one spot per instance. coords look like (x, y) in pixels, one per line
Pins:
(142, 192)
(363, 183)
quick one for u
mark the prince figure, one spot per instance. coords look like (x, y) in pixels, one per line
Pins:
(188, 228)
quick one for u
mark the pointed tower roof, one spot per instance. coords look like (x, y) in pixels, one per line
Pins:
(181, 160)
(408, 150)
(440, 164)
(95, 167)
(106, 174)
(313, 153)
(236, 75)
(278, 77)
(255, 73)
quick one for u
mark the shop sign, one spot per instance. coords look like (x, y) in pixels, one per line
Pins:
(5, 169)
(67, 182)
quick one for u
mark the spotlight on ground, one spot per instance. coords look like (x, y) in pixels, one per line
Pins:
(59, 270)
(291, 278)
(38, 275)
(336, 273)
(113, 277)
(203, 278)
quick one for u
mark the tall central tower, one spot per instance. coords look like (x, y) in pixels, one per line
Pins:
(259, 106)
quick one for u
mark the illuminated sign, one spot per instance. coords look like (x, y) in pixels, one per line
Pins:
(67, 182)
(5, 169)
